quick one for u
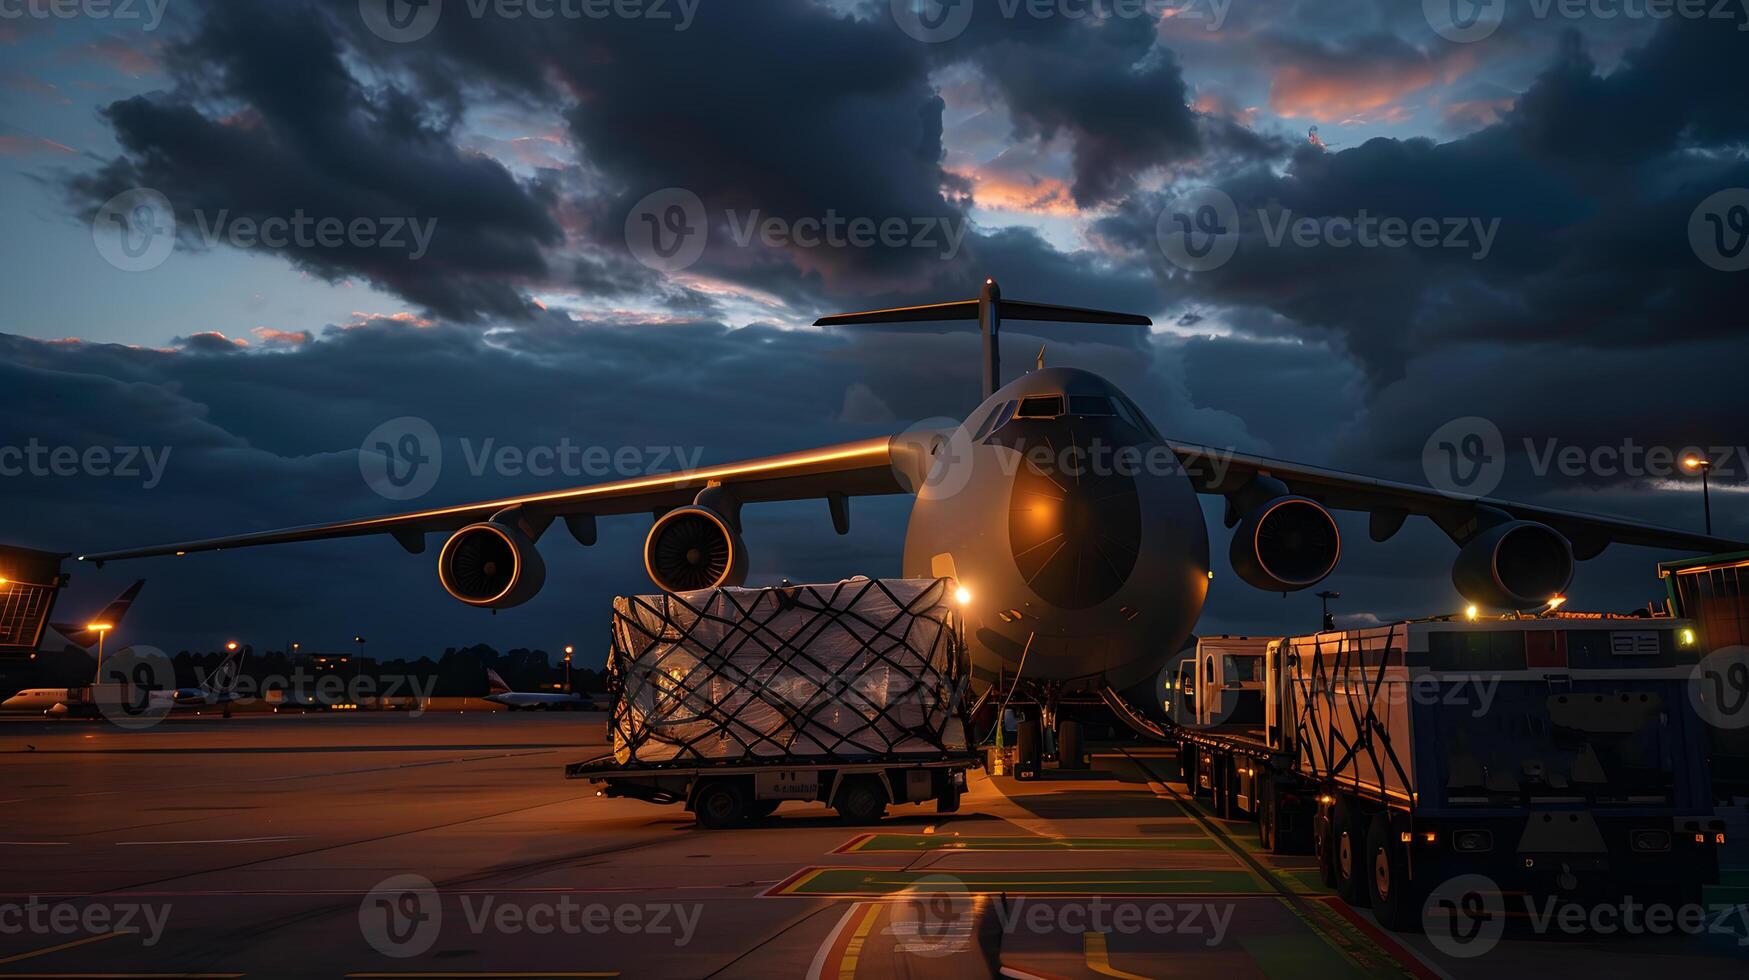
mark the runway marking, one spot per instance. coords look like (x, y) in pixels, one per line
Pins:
(1342, 932)
(227, 840)
(1098, 957)
(841, 882)
(905, 843)
(56, 949)
(494, 973)
(837, 956)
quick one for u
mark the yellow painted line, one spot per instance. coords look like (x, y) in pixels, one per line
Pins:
(1099, 957)
(56, 949)
(853, 950)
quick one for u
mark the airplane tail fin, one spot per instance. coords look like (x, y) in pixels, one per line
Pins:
(495, 684)
(223, 681)
(989, 309)
(109, 618)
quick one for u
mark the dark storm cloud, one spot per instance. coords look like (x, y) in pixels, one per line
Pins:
(268, 121)
(1591, 180)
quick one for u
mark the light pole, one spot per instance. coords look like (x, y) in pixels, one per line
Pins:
(1706, 501)
(569, 649)
(102, 630)
(1327, 595)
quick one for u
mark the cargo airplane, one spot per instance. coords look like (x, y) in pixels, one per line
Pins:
(1077, 580)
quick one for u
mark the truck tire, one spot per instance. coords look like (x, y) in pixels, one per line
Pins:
(1396, 900)
(720, 804)
(1029, 751)
(949, 800)
(1348, 850)
(861, 800)
(760, 809)
(1070, 754)
(1268, 817)
(1324, 847)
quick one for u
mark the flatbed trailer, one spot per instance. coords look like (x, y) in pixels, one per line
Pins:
(1555, 756)
(725, 795)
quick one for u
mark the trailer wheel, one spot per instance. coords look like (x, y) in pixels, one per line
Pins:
(1396, 900)
(1348, 846)
(1323, 846)
(1069, 752)
(861, 800)
(1268, 830)
(720, 804)
(949, 800)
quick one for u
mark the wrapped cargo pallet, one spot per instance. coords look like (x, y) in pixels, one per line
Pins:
(864, 668)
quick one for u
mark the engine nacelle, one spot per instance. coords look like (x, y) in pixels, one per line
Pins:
(1286, 544)
(1514, 565)
(491, 565)
(693, 548)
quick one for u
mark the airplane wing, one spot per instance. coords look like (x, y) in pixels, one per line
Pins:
(870, 467)
(1390, 504)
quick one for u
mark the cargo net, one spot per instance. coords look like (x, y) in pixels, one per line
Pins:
(863, 668)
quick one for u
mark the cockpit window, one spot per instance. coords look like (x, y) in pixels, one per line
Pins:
(1091, 406)
(997, 416)
(1040, 407)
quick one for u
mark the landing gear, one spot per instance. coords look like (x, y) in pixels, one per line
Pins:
(1070, 754)
(1029, 749)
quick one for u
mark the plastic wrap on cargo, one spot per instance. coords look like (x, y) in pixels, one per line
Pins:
(863, 668)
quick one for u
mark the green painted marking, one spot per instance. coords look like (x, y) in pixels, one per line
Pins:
(932, 842)
(1121, 881)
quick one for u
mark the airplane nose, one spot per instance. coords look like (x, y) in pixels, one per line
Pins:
(1074, 532)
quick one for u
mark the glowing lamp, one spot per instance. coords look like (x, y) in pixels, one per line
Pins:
(964, 595)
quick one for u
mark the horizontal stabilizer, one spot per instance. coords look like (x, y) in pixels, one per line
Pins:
(1009, 309)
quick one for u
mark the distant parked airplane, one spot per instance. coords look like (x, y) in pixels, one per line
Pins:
(500, 693)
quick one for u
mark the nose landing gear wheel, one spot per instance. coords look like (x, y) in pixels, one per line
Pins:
(1029, 752)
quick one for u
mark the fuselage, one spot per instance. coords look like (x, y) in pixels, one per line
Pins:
(1073, 532)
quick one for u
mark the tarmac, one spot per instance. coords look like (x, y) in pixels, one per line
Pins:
(450, 845)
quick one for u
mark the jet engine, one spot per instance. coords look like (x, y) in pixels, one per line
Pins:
(695, 547)
(1286, 544)
(1514, 565)
(491, 565)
